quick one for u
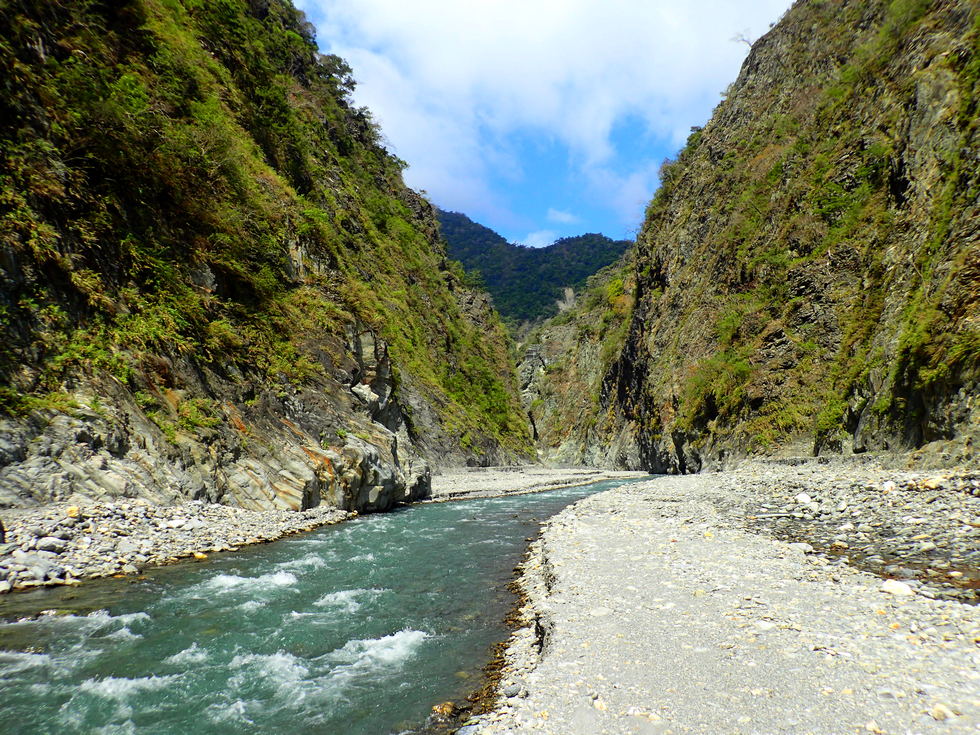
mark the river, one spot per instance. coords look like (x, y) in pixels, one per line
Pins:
(356, 629)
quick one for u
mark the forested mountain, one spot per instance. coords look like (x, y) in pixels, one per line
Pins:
(808, 275)
(526, 283)
(214, 282)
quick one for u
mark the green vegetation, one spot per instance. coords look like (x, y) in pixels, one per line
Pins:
(841, 260)
(525, 282)
(187, 181)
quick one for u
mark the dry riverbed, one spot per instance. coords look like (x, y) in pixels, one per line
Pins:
(668, 606)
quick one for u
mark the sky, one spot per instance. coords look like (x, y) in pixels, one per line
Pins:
(540, 118)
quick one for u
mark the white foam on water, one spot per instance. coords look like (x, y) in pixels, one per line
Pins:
(125, 728)
(120, 689)
(280, 668)
(233, 582)
(96, 620)
(235, 712)
(193, 655)
(128, 618)
(13, 662)
(123, 693)
(124, 634)
(250, 605)
(310, 561)
(347, 600)
(281, 672)
(381, 652)
(361, 663)
(363, 557)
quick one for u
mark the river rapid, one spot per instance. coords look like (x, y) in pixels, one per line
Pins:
(356, 629)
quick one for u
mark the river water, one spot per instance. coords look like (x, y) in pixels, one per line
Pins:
(356, 629)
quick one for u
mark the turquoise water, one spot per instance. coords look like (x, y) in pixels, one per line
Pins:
(353, 629)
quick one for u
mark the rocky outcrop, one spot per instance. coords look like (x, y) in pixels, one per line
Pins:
(345, 444)
(808, 275)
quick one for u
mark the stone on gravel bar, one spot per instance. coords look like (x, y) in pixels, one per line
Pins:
(802, 546)
(894, 587)
(52, 544)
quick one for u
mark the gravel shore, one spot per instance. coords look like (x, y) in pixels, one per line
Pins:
(668, 606)
(64, 544)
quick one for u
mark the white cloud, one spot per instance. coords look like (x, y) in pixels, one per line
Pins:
(563, 218)
(451, 81)
(539, 239)
(629, 194)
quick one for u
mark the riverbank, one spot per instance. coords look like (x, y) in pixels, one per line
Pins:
(667, 606)
(59, 543)
(62, 543)
(488, 482)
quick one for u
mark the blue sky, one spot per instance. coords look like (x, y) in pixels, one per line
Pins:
(540, 118)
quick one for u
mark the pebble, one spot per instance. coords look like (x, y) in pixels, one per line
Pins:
(941, 712)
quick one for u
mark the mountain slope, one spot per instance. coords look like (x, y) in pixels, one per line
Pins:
(808, 274)
(215, 283)
(526, 283)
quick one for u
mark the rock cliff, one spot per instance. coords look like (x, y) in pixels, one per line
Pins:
(808, 274)
(215, 284)
(561, 369)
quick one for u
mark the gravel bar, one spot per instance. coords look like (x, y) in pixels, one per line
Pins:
(660, 607)
(60, 543)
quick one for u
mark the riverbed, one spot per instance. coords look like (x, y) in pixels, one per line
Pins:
(357, 628)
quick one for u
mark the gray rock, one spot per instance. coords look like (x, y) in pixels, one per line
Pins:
(512, 690)
(127, 546)
(52, 544)
(894, 587)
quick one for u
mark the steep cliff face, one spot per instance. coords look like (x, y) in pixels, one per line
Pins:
(808, 275)
(561, 367)
(214, 282)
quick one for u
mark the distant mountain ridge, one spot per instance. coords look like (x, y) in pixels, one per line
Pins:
(526, 282)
